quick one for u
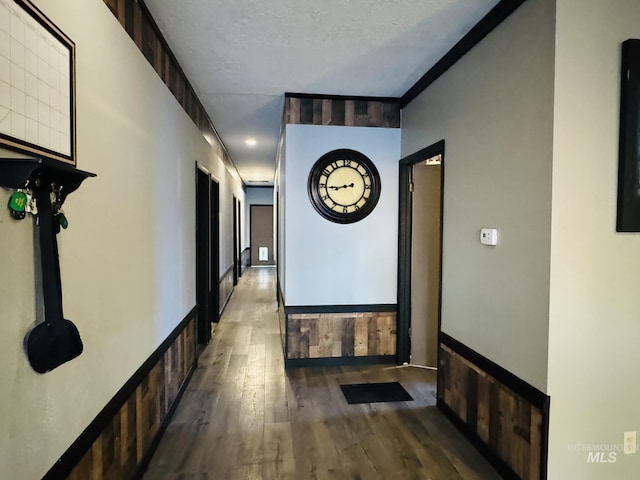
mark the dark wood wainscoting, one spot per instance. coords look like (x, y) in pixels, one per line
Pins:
(226, 288)
(120, 441)
(343, 111)
(245, 259)
(506, 418)
(340, 334)
(282, 320)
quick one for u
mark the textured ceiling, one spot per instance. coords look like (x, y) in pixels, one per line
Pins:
(242, 55)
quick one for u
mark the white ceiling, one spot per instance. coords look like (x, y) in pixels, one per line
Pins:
(241, 56)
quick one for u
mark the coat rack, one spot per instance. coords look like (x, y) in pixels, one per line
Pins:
(56, 340)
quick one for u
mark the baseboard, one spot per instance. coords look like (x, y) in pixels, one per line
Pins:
(505, 417)
(339, 361)
(101, 444)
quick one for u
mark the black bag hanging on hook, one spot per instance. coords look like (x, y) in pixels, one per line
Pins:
(52, 343)
(56, 340)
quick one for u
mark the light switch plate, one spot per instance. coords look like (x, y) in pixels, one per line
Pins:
(489, 236)
(629, 443)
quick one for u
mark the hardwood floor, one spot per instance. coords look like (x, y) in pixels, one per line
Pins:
(244, 417)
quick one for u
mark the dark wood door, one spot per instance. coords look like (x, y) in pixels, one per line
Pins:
(261, 234)
(236, 263)
(214, 293)
(203, 255)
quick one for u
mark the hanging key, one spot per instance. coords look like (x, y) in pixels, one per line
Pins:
(62, 219)
(18, 204)
(56, 207)
(32, 206)
(27, 207)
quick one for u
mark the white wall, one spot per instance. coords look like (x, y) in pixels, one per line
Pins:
(279, 195)
(128, 256)
(494, 110)
(594, 334)
(334, 264)
(229, 186)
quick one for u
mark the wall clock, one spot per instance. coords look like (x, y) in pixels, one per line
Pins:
(344, 186)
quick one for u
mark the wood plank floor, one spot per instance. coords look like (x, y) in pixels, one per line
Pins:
(244, 417)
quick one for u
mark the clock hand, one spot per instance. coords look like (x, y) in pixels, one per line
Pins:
(333, 187)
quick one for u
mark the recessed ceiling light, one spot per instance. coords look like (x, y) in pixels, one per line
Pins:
(250, 142)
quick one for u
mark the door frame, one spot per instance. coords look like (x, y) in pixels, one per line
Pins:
(405, 232)
(276, 240)
(214, 254)
(236, 276)
(239, 244)
(203, 254)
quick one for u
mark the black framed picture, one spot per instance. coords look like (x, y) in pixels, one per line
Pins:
(628, 219)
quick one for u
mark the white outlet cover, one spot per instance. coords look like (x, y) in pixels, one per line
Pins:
(489, 236)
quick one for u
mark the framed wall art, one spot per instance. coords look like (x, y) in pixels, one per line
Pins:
(37, 84)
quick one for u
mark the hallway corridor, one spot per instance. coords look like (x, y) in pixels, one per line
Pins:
(244, 417)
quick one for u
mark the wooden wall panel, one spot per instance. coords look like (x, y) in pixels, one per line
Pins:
(508, 423)
(225, 288)
(126, 439)
(282, 320)
(245, 259)
(340, 335)
(342, 111)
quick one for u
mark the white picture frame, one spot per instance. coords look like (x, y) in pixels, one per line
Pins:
(37, 84)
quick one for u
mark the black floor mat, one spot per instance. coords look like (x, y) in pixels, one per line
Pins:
(375, 392)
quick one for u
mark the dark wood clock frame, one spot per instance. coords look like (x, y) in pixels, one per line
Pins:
(314, 191)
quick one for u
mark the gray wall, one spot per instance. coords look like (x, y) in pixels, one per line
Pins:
(259, 196)
(539, 100)
(594, 335)
(128, 256)
(494, 108)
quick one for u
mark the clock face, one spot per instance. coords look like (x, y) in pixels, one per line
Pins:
(344, 186)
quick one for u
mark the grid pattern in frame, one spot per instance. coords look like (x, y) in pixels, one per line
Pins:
(36, 83)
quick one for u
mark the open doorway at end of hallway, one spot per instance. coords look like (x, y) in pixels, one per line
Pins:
(261, 235)
(420, 256)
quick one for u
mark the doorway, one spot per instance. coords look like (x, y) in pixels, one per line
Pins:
(214, 282)
(203, 255)
(420, 256)
(236, 263)
(261, 235)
